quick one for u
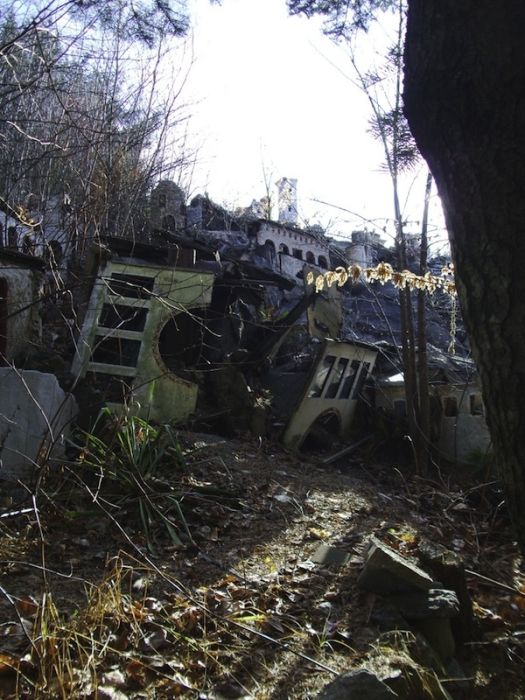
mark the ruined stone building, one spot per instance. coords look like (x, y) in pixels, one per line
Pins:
(366, 248)
(207, 309)
(168, 207)
(21, 278)
(281, 244)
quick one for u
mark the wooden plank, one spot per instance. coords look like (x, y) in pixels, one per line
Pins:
(106, 332)
(117, 370)
(127, 301)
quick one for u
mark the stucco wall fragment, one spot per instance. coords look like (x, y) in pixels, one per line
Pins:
(35, 417)
(24, 325)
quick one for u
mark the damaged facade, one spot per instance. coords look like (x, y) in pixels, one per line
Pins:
(459, 432)
(327, 401)
(136, 309)
(281, 245)
(207, 317)
(21, 279)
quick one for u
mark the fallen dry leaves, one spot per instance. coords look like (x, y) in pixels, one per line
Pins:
(243, 612)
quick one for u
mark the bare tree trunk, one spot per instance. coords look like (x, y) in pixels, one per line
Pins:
(408, 350)
(390, 132)
(422, 359)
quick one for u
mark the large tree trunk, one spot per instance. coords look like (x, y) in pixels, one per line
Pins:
(465, 102)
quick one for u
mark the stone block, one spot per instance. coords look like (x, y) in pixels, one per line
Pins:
(438, 634)
(387, 572)
(35, 416)
(325, 554)
(434, 603)
(361, 684)
(448, 567)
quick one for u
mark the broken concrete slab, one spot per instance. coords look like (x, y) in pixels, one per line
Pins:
(360, 684)
(35, 417)
(325, 554)
(434, 603)
(448, 567)
(409, 666)
(412, 683)
(427, 621)
(387, 617)
(387, 572)
(438, 634)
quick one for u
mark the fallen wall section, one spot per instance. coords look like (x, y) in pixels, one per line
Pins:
(35, 417)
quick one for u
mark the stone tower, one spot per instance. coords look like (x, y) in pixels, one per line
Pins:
(167, 207)
(287, 200)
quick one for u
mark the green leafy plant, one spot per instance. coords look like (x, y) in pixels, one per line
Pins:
(134, 464)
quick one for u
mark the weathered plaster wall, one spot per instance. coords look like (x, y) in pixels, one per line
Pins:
(287, 200)
(289, 265)
(24, 326)
(12, 232)
(363, 247)
(35, 417)
(167, 206)
(466, 434)
(459, 436)
(292, 239)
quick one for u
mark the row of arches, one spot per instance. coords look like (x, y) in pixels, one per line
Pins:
(296, 253)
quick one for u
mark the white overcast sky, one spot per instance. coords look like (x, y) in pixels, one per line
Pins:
(269, 96)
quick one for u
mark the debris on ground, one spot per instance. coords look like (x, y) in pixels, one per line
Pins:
(264, 598)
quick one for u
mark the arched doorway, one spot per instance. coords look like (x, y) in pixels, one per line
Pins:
(181, 341)
(321, 434)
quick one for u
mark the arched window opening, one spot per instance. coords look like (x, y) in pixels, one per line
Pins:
(269, 251)
(310, 258)
(181, 341)
(284, 249)
(451, 406)
(476, 405)
(321, 434)
(12, 237)
(322, 262)
(168, 223)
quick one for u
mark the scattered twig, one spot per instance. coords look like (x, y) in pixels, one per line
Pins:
(493, 582)
(182, 590)
(29, 564)
(346, 450)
